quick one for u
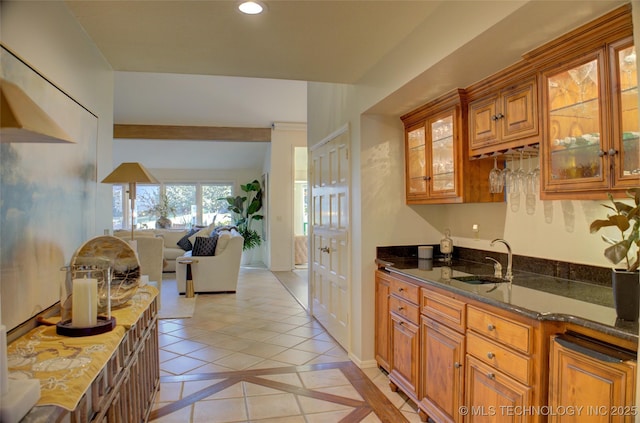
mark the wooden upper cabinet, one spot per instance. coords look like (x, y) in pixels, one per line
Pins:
(588, 87)
(436, 155)
(503, 111)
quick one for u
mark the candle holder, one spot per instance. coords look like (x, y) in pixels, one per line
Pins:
(84, 293)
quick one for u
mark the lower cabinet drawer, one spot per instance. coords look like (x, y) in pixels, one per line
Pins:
(405, 309)
(516, 365)
(445, 310)
(405, 290)
(501, 329)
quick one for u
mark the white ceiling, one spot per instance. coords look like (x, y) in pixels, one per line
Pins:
(193, 62)
(321, 40)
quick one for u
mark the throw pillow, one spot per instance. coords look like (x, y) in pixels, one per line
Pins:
(223, 240)
(204, 246)
(184, 242)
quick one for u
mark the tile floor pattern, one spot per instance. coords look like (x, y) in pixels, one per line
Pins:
(258, 356)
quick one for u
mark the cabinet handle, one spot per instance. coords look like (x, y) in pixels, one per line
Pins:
(491, 327)
(427, 178)
(612, 152)
(457, 365)
(490, 355)
(491, 375)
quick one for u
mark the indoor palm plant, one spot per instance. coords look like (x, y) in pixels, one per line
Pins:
(625, 282)
(244, 210)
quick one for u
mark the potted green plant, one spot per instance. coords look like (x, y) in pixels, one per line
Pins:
(244, 210)
(625, 281)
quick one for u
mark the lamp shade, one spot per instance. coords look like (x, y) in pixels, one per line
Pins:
(22, 120)
(130, 172)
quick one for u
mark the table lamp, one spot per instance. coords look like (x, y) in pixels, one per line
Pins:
(131, 173)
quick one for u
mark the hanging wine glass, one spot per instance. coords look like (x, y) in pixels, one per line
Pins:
(495, 178)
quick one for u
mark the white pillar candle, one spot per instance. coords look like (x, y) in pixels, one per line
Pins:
(4, 365)
(85, 303)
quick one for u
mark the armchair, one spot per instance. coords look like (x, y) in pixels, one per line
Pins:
(217, 273)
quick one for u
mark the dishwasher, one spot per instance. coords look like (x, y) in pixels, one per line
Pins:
(590, 380)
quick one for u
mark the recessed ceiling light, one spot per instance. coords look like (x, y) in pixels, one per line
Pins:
(251, 7)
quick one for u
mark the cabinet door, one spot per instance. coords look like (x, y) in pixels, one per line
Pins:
(404, 355)
(383, 321)
(483, 126)
(519, 114)
(626, 132)
(576, 135)
(441, 155)
(494, 397)
(605, 388)
(416, 162)
(442, 371)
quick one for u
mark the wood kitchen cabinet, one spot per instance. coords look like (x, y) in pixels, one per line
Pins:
(437, 168)
(594, 376)
(383, 320)
(493, 396)
(590, 114)
(405, 336)
(503, 111)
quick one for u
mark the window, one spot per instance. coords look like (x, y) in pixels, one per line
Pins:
(194, 204)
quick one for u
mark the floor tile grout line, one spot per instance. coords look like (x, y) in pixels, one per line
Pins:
(191, 399)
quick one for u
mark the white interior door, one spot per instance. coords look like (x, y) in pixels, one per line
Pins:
(329, 255)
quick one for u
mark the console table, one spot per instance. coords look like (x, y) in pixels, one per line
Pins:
(112, 377)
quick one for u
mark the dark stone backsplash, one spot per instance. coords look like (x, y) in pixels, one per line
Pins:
(554, 268)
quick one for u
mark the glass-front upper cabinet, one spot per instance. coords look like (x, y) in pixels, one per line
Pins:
(626, 132)
(592, 124)
(442, 155)
(430, 159)
(589, 93)
(416, 162)
(575, 117)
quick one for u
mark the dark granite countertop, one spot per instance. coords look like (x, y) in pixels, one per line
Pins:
(535, 296)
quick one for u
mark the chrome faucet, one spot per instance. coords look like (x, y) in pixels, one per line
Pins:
(509, 272)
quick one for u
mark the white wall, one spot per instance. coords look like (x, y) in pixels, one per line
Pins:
(47, 37)
(412, 74)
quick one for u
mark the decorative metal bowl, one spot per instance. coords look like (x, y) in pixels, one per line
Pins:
(116, 264)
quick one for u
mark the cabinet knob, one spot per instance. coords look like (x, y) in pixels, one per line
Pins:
(457, 365)
(490, 355)
(401, 323)
(494, 118)
(400, 289)
(491, 375)
(612, 152)
(491, 327)
(426, 178)
(602, 153)
(400, 308)
(499, 116)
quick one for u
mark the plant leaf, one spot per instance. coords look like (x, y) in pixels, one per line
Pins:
(618, 251)
(598, 224)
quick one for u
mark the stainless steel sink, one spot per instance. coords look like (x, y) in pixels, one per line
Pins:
(479, 279)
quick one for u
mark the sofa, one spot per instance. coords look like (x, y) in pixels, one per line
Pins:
(170, 239)
(217, 272)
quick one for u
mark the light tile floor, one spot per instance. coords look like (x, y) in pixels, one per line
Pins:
(258, 356)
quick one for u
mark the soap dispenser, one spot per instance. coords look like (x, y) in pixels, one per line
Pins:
(446, 245)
